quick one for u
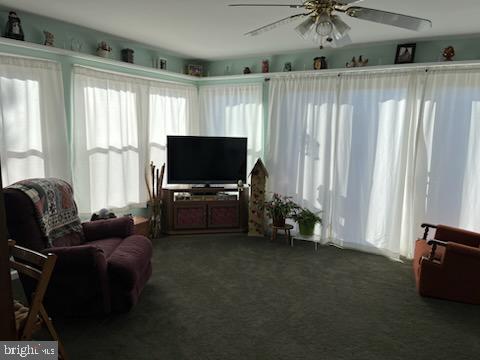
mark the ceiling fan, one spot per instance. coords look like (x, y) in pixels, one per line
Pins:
(322, 23)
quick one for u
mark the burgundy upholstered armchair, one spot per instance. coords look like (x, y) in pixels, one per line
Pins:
(448, 266)
(104, 271)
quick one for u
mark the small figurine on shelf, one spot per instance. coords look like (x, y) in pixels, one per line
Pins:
(14, 30)
(357, 63)
(49, 38)
(265, 66)
(287, 67)
(247, 70)
(127, 55)
(448, 53)
(103, 49)
(320, 63)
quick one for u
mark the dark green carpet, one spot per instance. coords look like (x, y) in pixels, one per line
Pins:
(234, 297)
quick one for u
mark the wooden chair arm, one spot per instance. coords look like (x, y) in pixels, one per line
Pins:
(434, 243)
(427, 227)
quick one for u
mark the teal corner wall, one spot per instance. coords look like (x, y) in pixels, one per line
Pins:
(427, 51)
(34, 25)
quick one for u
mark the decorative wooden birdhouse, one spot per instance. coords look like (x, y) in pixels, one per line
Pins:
(256, 217)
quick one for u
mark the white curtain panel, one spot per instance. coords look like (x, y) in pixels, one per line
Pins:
(235, 111)
(173, 110)
(448, 168)
(345, 146)
(118, 122)
(301, 133)
(374, 158)
(33, 135)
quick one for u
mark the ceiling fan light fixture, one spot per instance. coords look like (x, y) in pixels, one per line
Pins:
(340, 28)
(324, 25)
(305, 27)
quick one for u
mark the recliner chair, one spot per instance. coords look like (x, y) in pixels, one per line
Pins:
(104, 272)
(448, 266)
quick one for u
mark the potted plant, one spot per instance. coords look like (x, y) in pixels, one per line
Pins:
(306, 220)
(103, 49)
(280, 208)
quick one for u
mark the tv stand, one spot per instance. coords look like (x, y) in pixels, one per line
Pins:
(203, 210)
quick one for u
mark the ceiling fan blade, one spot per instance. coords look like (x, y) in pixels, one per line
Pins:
(389, 18)
(347, 2)
(293, 6)
(274, 24)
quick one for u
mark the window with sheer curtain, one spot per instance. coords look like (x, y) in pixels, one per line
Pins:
(379, 152)
(33, 136)
(119, 125)
(236, 111)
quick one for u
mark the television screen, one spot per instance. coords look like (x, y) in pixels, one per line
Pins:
(206, 160)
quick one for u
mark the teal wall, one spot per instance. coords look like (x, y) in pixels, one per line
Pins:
(466, 48)
(33, 26)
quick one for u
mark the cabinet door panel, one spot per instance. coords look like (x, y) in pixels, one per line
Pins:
(223, 215)
(190, 217)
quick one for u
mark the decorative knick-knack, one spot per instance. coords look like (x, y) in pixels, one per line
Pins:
(103, 49)
(265, 66)
(448, 53)
(256, 218)
(320, 63)
(287, 67)
(357, 63)
(49, 38)
(14, 30)
(127, 55)
(247, 70)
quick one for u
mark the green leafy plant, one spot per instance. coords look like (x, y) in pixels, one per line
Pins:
(280, 207)
(306, 216)
(306, 220)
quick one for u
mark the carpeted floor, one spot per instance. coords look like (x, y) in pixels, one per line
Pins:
(234, 297)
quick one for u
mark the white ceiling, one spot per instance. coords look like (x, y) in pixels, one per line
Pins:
(208, 29)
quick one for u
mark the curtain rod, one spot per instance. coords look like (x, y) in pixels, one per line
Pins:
(134, 76)
(28, 57)
(377, 69)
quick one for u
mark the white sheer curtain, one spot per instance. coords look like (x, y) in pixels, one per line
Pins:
(236, 111)
(33, 135)
(117, 121)
(173, 110)
(344, 145)
(301, 132)
(374, 157)
(449, 149)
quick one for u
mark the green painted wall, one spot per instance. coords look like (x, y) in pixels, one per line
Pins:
(33, 26)
(466, 48)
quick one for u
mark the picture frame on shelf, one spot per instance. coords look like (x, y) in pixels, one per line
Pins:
(195, 70)
(405, 53)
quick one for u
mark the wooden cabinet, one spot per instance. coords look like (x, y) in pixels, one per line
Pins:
(189, 216)
(205, 212)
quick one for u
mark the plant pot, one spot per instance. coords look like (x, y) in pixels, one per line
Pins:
(103, 53)
(279, 221)
(306, 228)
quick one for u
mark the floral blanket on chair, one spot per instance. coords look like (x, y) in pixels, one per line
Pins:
(55, 208)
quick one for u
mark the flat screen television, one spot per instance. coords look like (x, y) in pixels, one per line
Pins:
(206, 160)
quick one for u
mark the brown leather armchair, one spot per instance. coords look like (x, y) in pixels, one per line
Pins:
(448, 266)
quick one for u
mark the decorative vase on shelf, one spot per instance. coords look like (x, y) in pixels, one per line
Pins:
(103, 53)
(103, 49)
